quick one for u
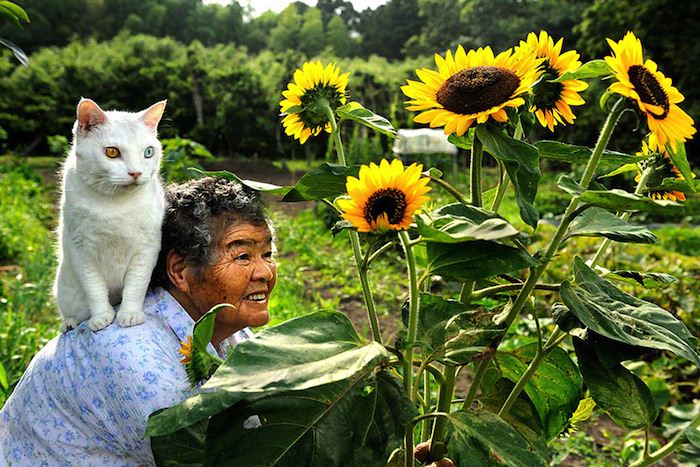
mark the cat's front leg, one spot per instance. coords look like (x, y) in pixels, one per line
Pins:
(95, 287)
(138, 275)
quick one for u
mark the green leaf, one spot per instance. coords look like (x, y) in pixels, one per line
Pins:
(693, 436)
(486, 440)
(612, 313)
(631, 167)
(597, 222)
(569, 185)
(458, 222)
(312, 350)
(358, 421)
(673, 184)
(592, 69)
(579, 154)
(677, 418)
(325, 181)
(620, 200)
(184, 448)
(615, 389)
(522, 164)
(522, 415)
(680, 160)
(18, 53)
(475, 260)
(13, 12)
(3, 378)
(649, 280)
(555, 389)
(464, 142)
(355, 111)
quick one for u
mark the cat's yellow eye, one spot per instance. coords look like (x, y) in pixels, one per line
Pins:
(112, 153)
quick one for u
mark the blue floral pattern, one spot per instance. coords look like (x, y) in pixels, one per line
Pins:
(85, 397)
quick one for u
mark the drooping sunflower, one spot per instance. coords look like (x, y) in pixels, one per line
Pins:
(186, 350)
(385, 196)
(553, 101)
(663, 168)
(305, 102)
(653, 92)
(470, 87)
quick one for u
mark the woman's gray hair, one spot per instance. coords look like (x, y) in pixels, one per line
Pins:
(196, 212)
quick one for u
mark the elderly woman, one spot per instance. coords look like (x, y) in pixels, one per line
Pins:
(86, 397)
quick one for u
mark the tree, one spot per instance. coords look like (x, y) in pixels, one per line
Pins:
(385, 30)
(442, 28)
(311, 33)
(286, 34)
(338, 37)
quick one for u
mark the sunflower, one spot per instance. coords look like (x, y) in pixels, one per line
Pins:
(663, 168)
(306, 99)
(186, 350)
(652, 91)
(553, 101)
(385, 197)
(470, 87)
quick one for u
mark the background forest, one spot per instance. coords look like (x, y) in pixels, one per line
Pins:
(222, 70)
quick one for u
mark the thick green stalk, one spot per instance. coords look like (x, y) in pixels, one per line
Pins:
(476, 383)
(503, 182)
(412, 311)
(475, 172)
(355, 240)
(438, 448)
(568, 217)
(641, 186)
(668, 448)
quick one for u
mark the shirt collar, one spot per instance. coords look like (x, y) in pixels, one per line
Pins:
(160, 301)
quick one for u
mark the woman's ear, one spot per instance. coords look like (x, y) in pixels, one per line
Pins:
(176, 269)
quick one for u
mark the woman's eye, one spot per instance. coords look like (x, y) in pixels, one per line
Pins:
(112, 152)
(148, 153)
(269, 255)
(243, 257)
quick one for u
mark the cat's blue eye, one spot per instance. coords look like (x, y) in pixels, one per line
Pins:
(148, 153)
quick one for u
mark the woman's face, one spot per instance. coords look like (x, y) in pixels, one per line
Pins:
(243, 275)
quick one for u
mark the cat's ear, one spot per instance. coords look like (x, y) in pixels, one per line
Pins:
(89, 114)
(151, 116)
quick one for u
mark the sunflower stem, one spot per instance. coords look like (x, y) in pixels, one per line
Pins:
(475, 172)
(641, 187)
(355, 239)
(412, 311)
(568, 217)
(672, 445)
(503, 182)
(438, 448)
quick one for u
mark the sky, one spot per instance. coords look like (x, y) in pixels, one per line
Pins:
(261, 6)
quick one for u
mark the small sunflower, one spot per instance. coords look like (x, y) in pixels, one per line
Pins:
(663, 168)
(653, 92)
(553, 101)
(186, 350)
(470, 87)
(305, 100)
(385, 197)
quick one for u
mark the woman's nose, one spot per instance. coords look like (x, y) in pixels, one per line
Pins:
(264, 270)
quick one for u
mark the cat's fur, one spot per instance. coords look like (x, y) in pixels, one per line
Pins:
(111, 216)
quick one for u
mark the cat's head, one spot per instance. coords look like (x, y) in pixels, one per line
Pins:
(116, 150)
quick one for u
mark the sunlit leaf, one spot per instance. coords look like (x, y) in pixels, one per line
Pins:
(649, 280)
(573, 154)
(458, 222)
(592, 69)
(356, 112)
(597, 222)
(620, 200)
(680, 160)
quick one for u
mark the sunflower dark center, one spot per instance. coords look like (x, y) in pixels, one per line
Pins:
(389, 201)
(649, 88)
(477, 89)
(547, 94)
(313, 114)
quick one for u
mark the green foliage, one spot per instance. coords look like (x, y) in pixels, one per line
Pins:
(180, 155)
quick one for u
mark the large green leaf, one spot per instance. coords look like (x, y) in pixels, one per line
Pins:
(184, 448)
(609, 311)
(592, 69)
(579, 154)
(357, 421)
(13, 12)
(522, 164)
(458, 222)
(555, 389)
(453, 332)
(18, 53)
(484, 439)
(620, 200)
(649, 280)
(475, 260)
(673, 184)
(325, 181)
(3, 378)
(465, 141)
(522, 415)
(597, 222)
(615, 389)
(356, 112)
(569, 185)
(680, 160)
(301, 353)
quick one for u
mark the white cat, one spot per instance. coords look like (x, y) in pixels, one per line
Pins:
(111, 215)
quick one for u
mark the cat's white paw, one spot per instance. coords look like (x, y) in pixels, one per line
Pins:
(126, 318)
(68, 324)
(101, 320)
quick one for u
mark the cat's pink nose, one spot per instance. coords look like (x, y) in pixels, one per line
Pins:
(135, 175)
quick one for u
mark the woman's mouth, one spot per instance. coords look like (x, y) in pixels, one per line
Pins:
(256, 297)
